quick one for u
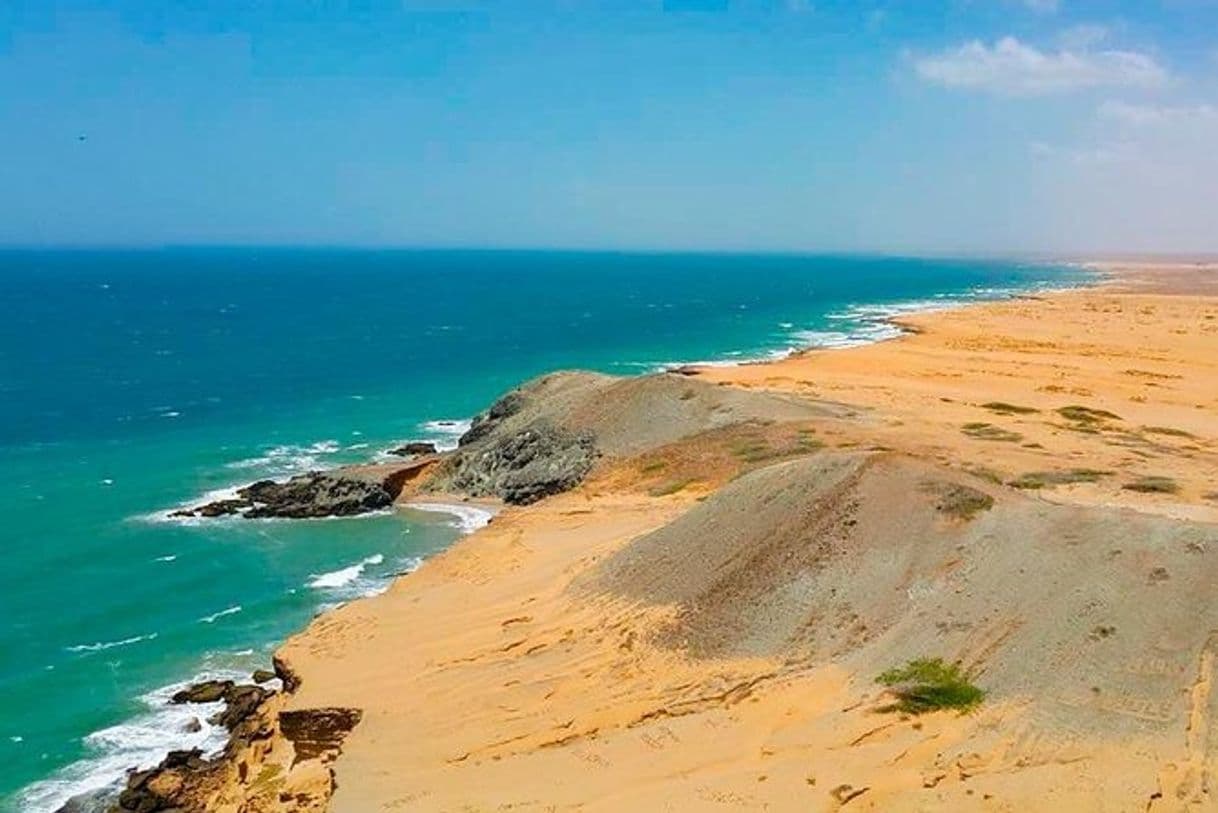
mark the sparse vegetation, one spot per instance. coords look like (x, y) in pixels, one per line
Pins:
(1153, 485)
(759, 449)
(985, 474)
(1048, 479)
(672, 487)
(987, 431)
(653, 466)
(929, 684)
(1149, 374)
(1167, 430)
(753, 451)
(1009, 409)
(1087, 415)
(961, 502)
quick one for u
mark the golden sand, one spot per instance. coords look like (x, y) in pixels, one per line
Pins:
(489, 680)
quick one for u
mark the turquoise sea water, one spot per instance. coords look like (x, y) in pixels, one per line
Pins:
(131, 382)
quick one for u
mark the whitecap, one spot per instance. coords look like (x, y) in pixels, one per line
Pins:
(171, 557)
(344, 576)
(211, 619)
(104, 645)
(289, 459)
(445, 433)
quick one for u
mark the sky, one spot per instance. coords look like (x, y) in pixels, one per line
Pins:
(962, 126)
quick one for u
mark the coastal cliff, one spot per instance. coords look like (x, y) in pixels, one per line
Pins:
(699, 581)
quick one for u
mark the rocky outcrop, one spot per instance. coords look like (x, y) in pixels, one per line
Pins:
(316, 494)
(415, 449)
(276, 761)
(524, 466)
(239, 701)
(485, 424)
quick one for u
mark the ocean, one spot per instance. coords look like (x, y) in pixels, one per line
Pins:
(132, 382)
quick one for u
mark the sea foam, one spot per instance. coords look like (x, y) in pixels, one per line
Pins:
(139, 743)
(468, 518)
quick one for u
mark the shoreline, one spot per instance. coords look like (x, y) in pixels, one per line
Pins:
(599, 519)
(897, 320)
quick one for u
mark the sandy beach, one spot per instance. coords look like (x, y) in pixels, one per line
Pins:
(699, 624)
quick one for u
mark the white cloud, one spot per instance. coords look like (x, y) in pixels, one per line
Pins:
(1009, 67)
(1144, 115)
(1099, 155)
(1083, 37)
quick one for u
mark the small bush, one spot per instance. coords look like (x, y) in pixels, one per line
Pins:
(1048, 479)
(1009, 409)
(929, 684)
(963, 502)
(1167, 430)
(671, 487)
(653, 467)
(1153, 485)
(1087, 415)
(987, 431)
(985, 474)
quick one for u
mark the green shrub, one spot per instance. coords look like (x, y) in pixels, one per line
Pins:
(1009, 409)
(1048, 479)
(671, 487)
(987, 431)
(1082, 414)
(929, 684)
(1167, 430)
(1153, 485)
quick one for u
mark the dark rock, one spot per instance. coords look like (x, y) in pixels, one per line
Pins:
(414, 449)
(209, 691)
(194, 726)
(290, 680)
(526, 466)
(316, 494)
(262, 675)
(486, 423)
(221, 508)
(192, 759)
(140, 801)
(240, 703)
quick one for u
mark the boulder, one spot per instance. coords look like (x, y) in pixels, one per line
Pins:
(208, 691)
(240, 703)
(415, 449)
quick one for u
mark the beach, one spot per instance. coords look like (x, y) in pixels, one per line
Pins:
(1024, 487)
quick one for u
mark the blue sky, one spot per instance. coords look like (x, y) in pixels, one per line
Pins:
(961, 126)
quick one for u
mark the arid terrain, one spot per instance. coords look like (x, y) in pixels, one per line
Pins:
(707, 570)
